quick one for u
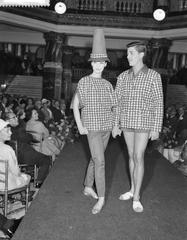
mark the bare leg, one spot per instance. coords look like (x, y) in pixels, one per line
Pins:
(141, 140)
(129, 138)
(140, 143)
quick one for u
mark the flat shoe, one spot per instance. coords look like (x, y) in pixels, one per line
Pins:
(90, 193)
(137, 206)
(126, 196)
(97, 209)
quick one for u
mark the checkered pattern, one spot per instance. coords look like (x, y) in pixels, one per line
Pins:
(140, 100)
(97, 98)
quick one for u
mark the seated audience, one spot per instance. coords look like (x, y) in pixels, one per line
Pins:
(38, 107)
(25, 152)
(46, 143)
(182, 125)
(169, 138)
(16, 179)
(48, 115)
(56, 111)
(29, 103)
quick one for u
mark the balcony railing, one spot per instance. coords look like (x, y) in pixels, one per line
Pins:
(97, 5)
(128, 7)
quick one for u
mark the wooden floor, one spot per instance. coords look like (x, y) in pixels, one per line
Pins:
(61, 212)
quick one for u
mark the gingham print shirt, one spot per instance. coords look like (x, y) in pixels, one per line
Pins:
(97, 99)
(140, 100)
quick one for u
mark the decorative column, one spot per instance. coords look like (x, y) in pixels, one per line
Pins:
(52, 77)
(67, 73)
(159, 52)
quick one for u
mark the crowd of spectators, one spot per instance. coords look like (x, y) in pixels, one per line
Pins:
(33, 133)
(173, 138)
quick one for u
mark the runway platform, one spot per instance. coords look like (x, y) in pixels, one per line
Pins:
(61, 212)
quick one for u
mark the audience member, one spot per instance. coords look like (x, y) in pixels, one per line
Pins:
(45, 143)
(46, 110)
(16, 179)
(168, 135)
(25, 153)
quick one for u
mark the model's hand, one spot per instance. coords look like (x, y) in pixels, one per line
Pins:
(154, 135)
(82, 130)
(116, 131)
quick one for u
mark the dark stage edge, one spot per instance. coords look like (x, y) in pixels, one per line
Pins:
(61, 212)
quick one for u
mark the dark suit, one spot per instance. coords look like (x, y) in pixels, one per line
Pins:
(28, 155)
(5, 223)
(57, 114)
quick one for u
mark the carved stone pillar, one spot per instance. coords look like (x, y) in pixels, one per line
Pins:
(67, 73)
(159, 52)
(52, 77)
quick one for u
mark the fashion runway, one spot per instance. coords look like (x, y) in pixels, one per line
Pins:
(61, 212)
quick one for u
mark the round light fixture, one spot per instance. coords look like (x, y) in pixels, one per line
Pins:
(60, 8)
(159, 14)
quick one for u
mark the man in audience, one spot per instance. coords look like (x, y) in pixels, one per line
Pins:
(25, 153)
(38, 106)
(8, 226)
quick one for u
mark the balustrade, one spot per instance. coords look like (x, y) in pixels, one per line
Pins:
(128, 6)
(97, 5)
(183, 5)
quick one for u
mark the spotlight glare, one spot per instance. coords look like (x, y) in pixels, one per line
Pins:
(159, 14)
(60, 8)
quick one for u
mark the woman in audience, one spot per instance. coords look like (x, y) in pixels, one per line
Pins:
(48, 115)
(29, 103)
(16, 179)
(169, 133)
(45, 144)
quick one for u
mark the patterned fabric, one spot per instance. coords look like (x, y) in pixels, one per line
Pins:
(97, 98)
(140, 100)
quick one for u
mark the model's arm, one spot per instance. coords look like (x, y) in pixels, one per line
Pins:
(116, 130)
(158, 107)
(76, 112)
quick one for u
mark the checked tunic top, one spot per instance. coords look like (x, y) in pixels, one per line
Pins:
(97, 99)
(140, 100)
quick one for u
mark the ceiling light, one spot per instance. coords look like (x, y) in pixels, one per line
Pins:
(60, 7)
(159, 14)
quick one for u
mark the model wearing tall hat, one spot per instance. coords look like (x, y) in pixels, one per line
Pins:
(95, 97)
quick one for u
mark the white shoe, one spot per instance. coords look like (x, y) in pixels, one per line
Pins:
(126, 196)
(137, 206)
(89, 192)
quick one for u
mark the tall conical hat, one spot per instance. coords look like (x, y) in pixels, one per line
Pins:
(99, 53)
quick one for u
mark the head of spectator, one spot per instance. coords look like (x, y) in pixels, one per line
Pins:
(29, 103)
(171, 111)
(45, 103)
(4, 100)
(63, 105)
(22, 104)
(38, 104)
(10, 106)
(31, 114)
(181, 111)
(57, 104)
(5, 131)
(12, 119)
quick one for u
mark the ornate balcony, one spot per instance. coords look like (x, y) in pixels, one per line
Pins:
(134, 14)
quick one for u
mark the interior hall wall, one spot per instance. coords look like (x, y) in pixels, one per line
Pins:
(36, 38)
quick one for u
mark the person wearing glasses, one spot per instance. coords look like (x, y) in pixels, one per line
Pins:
(25, 152)
(139, 114)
